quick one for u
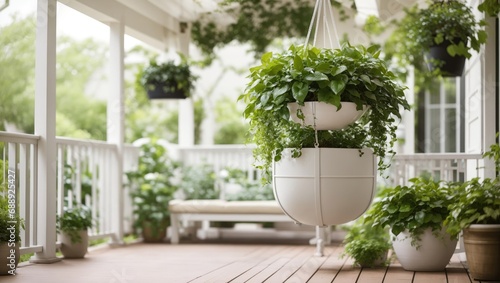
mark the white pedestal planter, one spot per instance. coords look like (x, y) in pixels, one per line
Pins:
(328, 117)
(325, 186)
(433, 254)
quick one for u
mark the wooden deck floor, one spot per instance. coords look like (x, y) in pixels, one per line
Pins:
(223, 262)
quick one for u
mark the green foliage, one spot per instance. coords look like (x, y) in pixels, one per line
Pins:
(250, 188)
(152, 187)
(490, 7)
(170, 76)
(73, 220)
(366, 244)
(478, 201)
(423, 204)
(198, 182)
(17, 62)
(352, 74)
(442, 21)
(231, 127)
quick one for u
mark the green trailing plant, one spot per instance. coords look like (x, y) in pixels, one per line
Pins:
(171, 76)
(152, 187)
(414, 208)
(490, 7)
(350, 73)
(73, 220)
(366, 244)
(442, 21)
(257, 22)
(477, 201)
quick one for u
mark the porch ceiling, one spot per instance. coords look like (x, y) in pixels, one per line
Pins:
(157, 22)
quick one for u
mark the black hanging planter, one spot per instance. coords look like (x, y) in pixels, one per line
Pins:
(438, 57)
(165, 92)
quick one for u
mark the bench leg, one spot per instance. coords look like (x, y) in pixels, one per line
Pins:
(174, 222)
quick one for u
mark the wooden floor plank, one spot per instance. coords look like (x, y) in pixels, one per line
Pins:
(330, 267)
(281, 261)
(396, 274)
(372, 275)
(275, 256)
(307, 270)
(426, 277)
(455, 271)
(235, 268)
(348, 273)
(291, 266)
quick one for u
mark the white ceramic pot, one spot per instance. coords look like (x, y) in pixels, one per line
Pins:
(328, 117)
(433, 253)
(325, 186)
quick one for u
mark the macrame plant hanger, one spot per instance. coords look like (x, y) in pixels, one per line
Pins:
(325, 36)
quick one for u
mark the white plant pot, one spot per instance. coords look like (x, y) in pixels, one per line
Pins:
(325, 186)
(74, 250)
(432, 254)
(328, 117)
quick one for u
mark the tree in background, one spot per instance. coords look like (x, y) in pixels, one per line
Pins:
(78, 115)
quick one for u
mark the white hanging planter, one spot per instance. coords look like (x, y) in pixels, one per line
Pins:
(433, 253)
(328, 116)
(325, 186)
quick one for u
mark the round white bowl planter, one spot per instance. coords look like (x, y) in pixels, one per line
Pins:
(74, 250)
(328, 117)
(432, 254)
(325, 186)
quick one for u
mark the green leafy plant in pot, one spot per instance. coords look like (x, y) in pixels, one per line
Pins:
(351, 74)
(476, 212)
(446, 31)
(367, 245)
(168, 80)
(73, 227)
(151, 190)
(415, 215)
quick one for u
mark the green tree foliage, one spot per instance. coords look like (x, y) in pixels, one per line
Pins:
(232, 129)
(78, 115)
(17, 62)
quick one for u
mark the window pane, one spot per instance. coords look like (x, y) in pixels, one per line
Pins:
(434, 92)
(451, 130)
(450, 86)
(435, 131)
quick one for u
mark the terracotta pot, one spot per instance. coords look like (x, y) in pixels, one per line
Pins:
(432, 254)
(9, 258)
(325, 186)
(482, 248)
(149, 235)
(74, 250)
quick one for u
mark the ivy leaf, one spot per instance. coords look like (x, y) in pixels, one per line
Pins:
(338, 84)
(266, 57)
(297, 63)
(299, 91)
(325, 95)
(316, 76)
(338, 70)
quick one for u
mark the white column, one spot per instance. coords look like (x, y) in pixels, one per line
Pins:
(186, 108)
(45, 127)
(490, 83)
(116, 124)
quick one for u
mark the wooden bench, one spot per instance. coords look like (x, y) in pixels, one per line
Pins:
(224, 211)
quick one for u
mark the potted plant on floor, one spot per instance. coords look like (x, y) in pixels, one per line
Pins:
(300, 74)
(446, 32)
(415, 215)
(168, 80)
(73, 227)
(367, 245)
(152, 189)
(476, 212)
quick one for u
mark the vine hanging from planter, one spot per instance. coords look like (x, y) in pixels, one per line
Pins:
(258, 22)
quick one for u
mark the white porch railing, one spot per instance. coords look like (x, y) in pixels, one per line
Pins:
(87, 168)
(456, 167)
